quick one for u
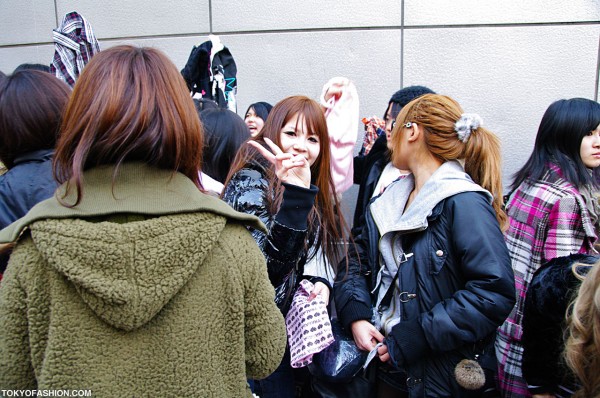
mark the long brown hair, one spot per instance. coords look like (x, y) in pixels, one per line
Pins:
(582, 350)
(326, 222)
(437, 114)
(129, 104)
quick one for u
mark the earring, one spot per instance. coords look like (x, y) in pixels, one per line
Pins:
(407, 125)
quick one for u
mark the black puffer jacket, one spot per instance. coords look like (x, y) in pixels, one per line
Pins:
(284, 246)
(458, 287)
(26, 184)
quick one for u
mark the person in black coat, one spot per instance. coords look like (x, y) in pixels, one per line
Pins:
(31, 107)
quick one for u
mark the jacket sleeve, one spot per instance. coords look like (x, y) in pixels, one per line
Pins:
(565, 234)
(342, 122)
(16, 369)
(282, 246)
(265, 333)
(481, 305)
(351, 288)
(357, 168)
(12, 206)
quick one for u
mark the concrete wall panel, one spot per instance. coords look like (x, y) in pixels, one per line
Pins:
(11, 57)
(444, 12)
(268, 15)
(25, 22)
(508, 76)
(114, 18)
(271, 67)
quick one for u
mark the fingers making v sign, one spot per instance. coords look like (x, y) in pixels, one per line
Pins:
(289, 168)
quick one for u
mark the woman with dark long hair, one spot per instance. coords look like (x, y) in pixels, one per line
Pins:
(283, 176)
(132, 282)
(553, 213)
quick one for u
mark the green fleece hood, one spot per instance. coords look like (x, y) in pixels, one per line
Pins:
(127, 271)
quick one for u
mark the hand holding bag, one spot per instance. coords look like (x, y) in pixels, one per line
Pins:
(342, 360)
(308, 326)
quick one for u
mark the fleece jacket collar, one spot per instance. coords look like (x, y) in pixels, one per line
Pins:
(137, 189)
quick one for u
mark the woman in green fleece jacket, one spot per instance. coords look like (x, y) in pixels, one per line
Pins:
(131, 281)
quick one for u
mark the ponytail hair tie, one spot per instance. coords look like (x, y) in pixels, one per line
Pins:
(467, 123)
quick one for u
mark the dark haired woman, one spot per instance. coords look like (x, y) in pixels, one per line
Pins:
(283, 176)
(256, 115)
(552, 214)
(224, 134)
(132, 282)
(31, 107)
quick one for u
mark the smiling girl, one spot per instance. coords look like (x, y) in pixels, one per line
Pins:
(283, 177)
(256, 115)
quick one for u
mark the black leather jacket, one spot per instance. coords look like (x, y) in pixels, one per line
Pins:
(284, 246)
(459, 288)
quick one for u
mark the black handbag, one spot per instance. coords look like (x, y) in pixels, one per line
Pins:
(340, 361)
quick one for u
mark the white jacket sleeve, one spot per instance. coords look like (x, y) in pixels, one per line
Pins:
(342, 114)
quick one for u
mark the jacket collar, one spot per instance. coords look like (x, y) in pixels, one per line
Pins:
(39, 155)
(137, 189)
(448, 180)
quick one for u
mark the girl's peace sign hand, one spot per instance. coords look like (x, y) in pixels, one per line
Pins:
(289, 168)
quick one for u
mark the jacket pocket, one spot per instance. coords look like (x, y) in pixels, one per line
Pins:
(437, 257)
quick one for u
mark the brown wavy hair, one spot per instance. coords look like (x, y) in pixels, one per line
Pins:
(129, 104)
(582, 349)
(326, 222)
(437, 114)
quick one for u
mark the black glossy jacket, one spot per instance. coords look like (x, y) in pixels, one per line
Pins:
(459, 288)
(284, 246)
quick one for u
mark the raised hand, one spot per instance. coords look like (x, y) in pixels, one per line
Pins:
(289, 168)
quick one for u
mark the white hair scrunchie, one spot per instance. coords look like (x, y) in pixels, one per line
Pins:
(466, 124)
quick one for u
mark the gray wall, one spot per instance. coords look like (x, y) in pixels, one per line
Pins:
(506, 60)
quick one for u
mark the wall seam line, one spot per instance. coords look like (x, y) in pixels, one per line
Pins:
(309, 30)
(597, 73)
(402, 45)
(210, 18)
(56, 14)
